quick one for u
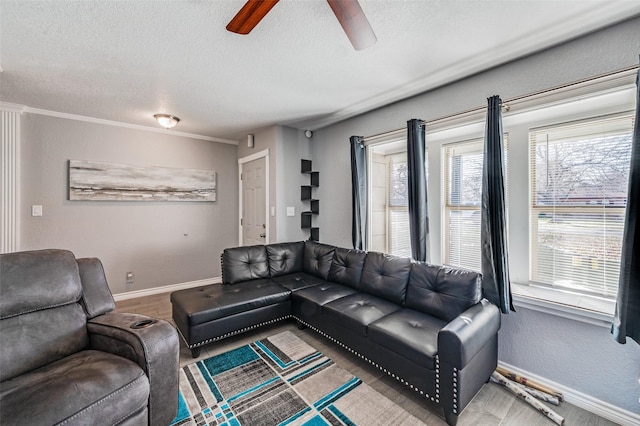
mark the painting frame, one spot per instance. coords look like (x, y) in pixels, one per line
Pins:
(102, 181)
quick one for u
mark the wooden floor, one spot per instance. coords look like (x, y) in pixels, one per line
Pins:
(493, 405)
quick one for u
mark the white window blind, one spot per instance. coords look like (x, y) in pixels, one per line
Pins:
(399, 241)
(463, 193)
(579, 176)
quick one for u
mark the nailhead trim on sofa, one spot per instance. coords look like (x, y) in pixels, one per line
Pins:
(435, 398)
(233, 333)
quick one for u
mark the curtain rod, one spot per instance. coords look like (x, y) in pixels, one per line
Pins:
(506, 105)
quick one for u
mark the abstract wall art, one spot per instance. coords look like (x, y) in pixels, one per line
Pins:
(97, 181)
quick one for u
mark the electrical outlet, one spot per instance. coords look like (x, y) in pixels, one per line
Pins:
(129, 281)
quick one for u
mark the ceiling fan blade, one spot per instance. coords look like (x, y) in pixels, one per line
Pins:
(354, 23)
(250, 15)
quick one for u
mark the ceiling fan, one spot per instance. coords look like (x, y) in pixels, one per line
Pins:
(349, 14)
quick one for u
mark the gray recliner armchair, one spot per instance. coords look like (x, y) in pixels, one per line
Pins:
(66, 358)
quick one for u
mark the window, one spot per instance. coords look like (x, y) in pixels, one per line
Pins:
(463, 199)
(389, 212)
(398, 241)
(579, 175)
(567, 153)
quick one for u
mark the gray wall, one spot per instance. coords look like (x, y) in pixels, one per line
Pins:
(581, 356)
(292, 147)
(144, 237)
(286, 147)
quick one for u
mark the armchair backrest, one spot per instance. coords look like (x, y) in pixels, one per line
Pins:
(41, 317)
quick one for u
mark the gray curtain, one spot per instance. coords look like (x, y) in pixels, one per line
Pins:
(495, 262)
(626, 320)
(358, 192)
(417, 186)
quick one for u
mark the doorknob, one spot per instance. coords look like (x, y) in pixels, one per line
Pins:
(263, 235)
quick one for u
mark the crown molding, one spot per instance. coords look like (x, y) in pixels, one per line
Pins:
(5, 106)
(9, 107)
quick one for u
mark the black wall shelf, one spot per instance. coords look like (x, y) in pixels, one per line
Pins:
(306, 194)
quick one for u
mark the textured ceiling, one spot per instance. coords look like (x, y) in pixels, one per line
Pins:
(127, 60)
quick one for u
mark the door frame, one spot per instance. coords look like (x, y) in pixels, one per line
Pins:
(241, 161)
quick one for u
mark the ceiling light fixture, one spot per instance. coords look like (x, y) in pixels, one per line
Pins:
(167, 121)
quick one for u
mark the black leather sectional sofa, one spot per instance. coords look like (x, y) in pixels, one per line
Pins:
(428, 326)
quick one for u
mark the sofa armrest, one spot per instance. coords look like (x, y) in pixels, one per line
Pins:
(461, 339)
(153, 345)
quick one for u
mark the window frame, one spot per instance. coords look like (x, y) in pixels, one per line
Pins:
(465, 145)
(398, 138)
(574, 131)
(608, 94)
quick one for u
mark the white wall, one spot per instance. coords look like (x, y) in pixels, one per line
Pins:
(580, 356)
(147, 238)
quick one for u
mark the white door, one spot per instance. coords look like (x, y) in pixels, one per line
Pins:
(254, 218)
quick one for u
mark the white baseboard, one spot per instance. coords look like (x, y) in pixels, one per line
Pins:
(581, 400)
(165, 289)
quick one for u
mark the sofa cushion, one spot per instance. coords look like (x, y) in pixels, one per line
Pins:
(41, 337)
(87, 385)
(215, 301)
(244, 263)
(285, 258)
(317, 259)
(410, 333)
(358, 310)
(442, 291)
(346, 267)
(308, 301)
(298, 280)
(386, 276)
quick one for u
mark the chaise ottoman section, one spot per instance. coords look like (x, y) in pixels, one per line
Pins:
(206, 314)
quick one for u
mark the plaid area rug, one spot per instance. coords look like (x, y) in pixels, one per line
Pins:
(280, 380)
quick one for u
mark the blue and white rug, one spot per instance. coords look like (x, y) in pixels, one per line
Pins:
(280, 380)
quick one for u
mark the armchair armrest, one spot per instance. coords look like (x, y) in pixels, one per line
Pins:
(461, 339)
(153, 345)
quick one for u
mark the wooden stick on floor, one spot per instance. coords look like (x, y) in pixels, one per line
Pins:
(530, 383)
(542, 396)
(521, 392)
